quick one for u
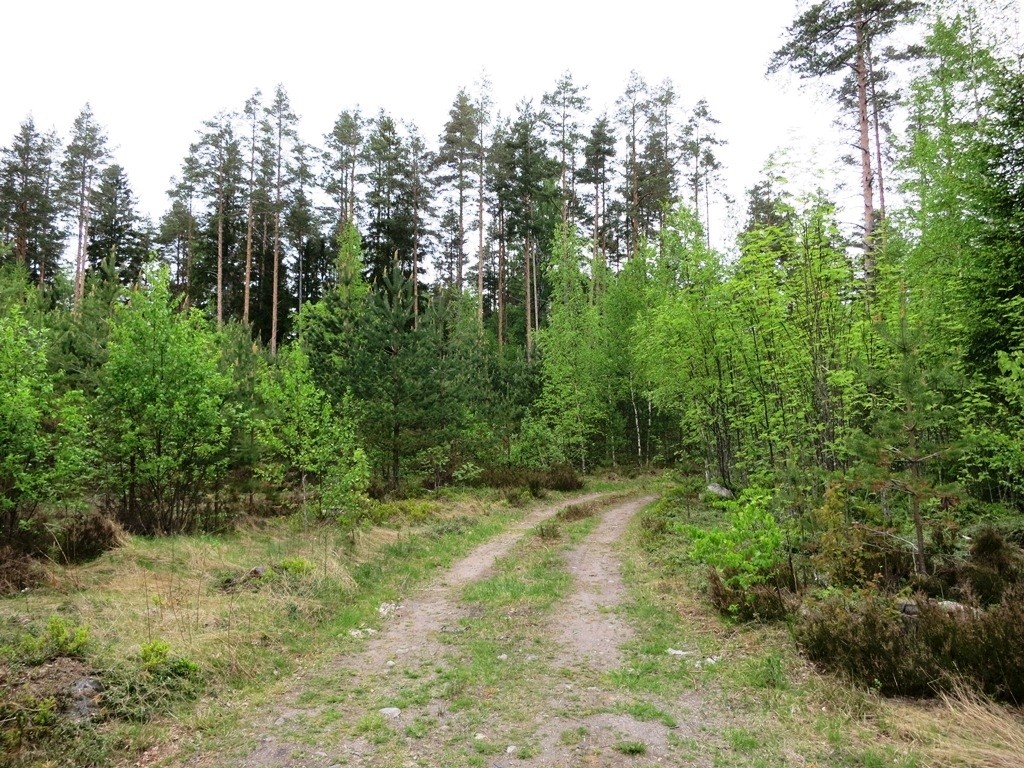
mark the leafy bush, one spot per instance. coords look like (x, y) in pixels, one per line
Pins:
(58, 638)
(161, 411)
(746, 554)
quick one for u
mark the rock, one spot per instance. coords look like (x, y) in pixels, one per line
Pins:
(478, 736)
(390, 712)
(85, 694)
(511, 749)
(502, 657)
(391, 663)
(720, 490)
(674, 652)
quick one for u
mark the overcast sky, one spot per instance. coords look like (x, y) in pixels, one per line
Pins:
(154, 71)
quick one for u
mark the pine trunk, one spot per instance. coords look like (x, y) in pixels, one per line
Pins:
(864, 124)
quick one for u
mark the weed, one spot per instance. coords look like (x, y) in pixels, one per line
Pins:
(767, 672)
(633, 748)
(548, 530)
(575, 736)
(647, 712)
(375, 728)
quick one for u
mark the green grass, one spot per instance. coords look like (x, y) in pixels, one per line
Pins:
(632, 748)
(202, 597)
(777, 706)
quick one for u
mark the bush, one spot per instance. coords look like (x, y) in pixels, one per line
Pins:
(746, 554)
(865, 637)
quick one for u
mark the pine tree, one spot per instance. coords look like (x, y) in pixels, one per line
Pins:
(253, 107)
(341, 165)
(84, 158)
(698, 154)
(28, 207)
(596, 172)
(564, 107)
(457, 155)
(117, 232)
(218, 178)
(846, 37)
(281, 121)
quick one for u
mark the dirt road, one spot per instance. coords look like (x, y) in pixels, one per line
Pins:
(513, 658)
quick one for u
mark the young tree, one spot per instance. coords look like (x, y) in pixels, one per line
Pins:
(160, 413)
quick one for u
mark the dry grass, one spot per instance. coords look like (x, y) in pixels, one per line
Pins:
(972, 733)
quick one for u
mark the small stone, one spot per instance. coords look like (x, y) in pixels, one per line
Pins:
(478, 736)
(720, 490)
(391, 663)
(531, 657)
(391, 712)
(510, 749)
(503, 657)
(675, 652)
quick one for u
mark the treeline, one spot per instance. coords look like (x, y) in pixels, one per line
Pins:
(537, 290)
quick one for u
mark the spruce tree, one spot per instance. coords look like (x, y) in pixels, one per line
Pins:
(28, 208)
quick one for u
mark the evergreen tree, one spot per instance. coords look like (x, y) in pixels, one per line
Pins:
(84, 158)
(457, 154)
(28, 206)
(698, 154)
(845, 37)
(118, 232)
(596, 172)
(341, 165)
(563, 109)
(281, 123)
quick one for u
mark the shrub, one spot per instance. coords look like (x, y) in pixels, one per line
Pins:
(865, 637)
(160, 680)
(562, 477)
(161, 411)
(746, 554)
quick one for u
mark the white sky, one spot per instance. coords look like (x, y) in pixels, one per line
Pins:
(154, 71)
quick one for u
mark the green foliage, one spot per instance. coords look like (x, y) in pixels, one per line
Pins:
(59, 638)
(162, 422)
(749, 549)
(573, 365)
(156, 684)
(44, 453)
(303, 438)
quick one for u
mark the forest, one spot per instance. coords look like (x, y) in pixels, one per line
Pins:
(526, 299)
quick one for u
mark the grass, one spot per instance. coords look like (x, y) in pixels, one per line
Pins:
(780, 712)
(245, 609)
(632, 748)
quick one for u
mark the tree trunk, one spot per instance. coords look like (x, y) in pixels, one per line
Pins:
(864, 125)
(220, 263)
(248, 231)
(480, 244)
(277, 247)
(529, 312)
(501, 279)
